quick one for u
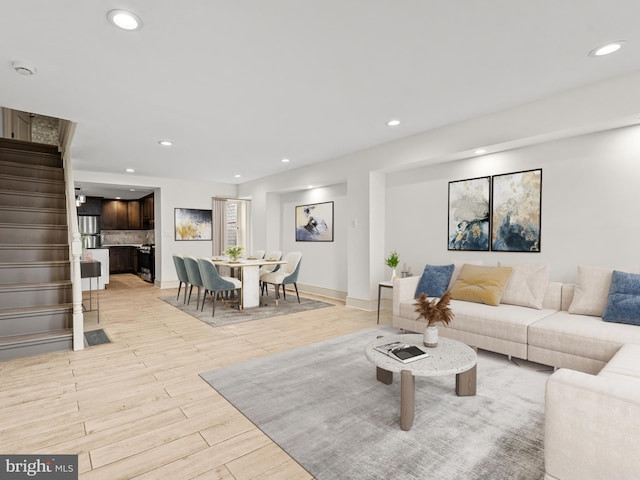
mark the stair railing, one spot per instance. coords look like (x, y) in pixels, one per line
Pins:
(65, 135)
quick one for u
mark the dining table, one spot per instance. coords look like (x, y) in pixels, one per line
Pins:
(249, 275)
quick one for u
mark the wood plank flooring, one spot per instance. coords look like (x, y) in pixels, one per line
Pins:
(137, 409)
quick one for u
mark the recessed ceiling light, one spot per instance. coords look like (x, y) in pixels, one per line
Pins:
(23, 68)
(118, 198)
(309, 186)
(129, 170)
(165, 143)
(393, 123)
(237, 175)
(285, 160)
(125, 20)
(480, 151)
(607, 49)
(132, 189)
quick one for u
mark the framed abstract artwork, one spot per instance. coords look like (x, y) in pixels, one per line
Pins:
(314, 222)
(469, 207)
(516, 215)
(191, 224)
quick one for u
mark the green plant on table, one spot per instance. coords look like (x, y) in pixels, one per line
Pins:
(234, 251)
(392, 260)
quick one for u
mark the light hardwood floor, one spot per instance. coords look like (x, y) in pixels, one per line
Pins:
(136, 408)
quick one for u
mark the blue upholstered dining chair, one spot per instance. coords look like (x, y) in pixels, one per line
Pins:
(195, 279)
(286, 275)
(183, 276)
(215, 283)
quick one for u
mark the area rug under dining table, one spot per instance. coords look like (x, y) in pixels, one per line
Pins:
(322, 404)
(228, 315)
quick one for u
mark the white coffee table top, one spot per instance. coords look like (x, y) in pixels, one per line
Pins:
(448, 358)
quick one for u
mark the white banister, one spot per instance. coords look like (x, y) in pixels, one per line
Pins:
(65, 135)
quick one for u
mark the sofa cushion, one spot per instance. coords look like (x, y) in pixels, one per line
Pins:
(434, 280)
(527, 285)
(625, 362)
(457, 267)
(623, 304)
(591, 291)
(582, 335)
(481, 284)
(507, 322)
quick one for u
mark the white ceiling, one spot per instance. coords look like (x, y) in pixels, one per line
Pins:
(240, 84)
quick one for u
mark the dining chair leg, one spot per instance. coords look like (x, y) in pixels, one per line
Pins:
(190, 290)
(198, 298)
(297, 294)
(203, 300)
(179, 287)
(213, 313)
(284, 292)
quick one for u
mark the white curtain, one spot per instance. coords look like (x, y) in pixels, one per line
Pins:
(219, 208)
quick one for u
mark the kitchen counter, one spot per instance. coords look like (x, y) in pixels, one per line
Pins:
(109, 245)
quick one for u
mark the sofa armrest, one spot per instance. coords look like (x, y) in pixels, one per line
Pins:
(403, 289)
(592, 426)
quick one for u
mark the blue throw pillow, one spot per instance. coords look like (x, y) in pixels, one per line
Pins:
(623, 305)
(435, 280)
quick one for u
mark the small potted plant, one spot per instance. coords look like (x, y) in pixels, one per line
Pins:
(433, 312)
(392, 261)
(233, 252)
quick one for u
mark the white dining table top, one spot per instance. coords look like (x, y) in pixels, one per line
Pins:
(245, 262)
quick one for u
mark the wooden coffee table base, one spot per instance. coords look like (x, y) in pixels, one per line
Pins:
(465, 386)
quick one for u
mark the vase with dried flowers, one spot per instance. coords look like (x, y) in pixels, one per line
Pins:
(433, 312)
(392, 261)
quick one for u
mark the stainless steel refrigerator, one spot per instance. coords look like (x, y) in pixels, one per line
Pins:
(89, 227)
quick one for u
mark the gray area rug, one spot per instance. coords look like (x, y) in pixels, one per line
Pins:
(227, 315)
(322, 404)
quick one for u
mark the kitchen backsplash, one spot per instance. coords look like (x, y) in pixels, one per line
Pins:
(127, 237)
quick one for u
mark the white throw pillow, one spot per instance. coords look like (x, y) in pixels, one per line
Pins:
(527, 285)
(592, 291)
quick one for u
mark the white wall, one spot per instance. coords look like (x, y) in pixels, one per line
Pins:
(324, 264)
(590, 204)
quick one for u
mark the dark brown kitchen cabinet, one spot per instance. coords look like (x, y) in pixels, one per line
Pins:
(115, 215)
(148, 222)
(134, 214)
(93, 206)
(123, 259)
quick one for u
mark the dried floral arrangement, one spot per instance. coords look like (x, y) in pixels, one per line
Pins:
(436, 310)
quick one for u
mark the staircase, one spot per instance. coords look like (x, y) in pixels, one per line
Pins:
(35, 286)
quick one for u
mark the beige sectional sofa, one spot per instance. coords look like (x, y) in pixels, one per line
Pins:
(550, 336)
(592, 405)
(592, 422)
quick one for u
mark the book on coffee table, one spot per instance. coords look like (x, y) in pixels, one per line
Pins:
(402, 352)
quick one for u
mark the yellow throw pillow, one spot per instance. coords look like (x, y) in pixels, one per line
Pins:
(480, 284)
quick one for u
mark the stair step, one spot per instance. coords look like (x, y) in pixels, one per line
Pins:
(22, 295)
(33, 234)
(39, 318)
(15, 214)
(33, 253)
(34, 272)
(17, 198)
(29, 153)
(40, 185)
(32, 171)
(35, 344)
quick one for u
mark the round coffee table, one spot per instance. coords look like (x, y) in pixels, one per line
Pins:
(448, 358)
